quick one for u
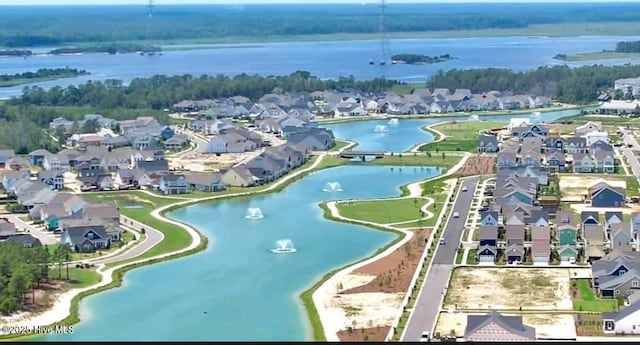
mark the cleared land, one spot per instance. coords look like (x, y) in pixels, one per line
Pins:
(509, 289)
(478, 165)
(574, 186)
(460, 136)
(372, 296)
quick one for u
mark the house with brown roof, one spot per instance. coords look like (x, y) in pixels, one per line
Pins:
(495, 327)
(540, 244)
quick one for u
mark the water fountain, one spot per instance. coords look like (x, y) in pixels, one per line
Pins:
(474, 117)
(332, 187)
(536, 114)
(393, 122)
(254, 213)
(284, 246)
(380, 129)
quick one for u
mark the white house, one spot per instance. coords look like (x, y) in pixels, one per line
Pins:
(627, 320)
(593, 137)
(628, 83)
(591, 126)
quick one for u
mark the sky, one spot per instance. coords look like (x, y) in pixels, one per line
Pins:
(237, 2)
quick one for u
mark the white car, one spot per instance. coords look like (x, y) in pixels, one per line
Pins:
(425, 337)
(456, 214)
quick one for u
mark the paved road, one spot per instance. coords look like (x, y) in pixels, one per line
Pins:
(45, 238)
(153, 237)
(426, 309)
(628, 153)
(629, 139)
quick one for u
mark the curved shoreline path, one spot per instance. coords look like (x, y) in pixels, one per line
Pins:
(330, 324)
(62, 307)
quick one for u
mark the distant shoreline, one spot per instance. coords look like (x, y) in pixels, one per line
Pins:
(533, 31)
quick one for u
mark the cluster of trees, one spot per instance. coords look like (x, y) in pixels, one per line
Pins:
(628, 47)
(23, 269)
(45, 73)
(420, 59)
(565, 84)
(112, 48)
(56, 26)
(159, 92)
(15, 52)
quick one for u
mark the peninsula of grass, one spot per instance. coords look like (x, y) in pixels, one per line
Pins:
(460, 136)
(586, 299)
(383, 211)
(340, 144)
(595, 56)
(417, 160)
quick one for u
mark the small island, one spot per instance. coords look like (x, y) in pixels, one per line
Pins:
(15, 52)
(418, 59)
(43, 74)
(115, 48)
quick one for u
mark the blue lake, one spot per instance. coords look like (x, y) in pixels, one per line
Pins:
(237, 289)
(323, 59)
(408, 132)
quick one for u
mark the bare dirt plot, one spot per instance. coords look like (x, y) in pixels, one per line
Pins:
(478, 165)
(556, 326)
(574, 187)
(365, 334)
(509, 288)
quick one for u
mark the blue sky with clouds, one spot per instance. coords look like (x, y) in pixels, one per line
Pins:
(167, 2)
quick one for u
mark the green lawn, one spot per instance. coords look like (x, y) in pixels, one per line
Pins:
(460, 136)
(339, 144)
(459, 255)
(409, 159)
(78, 277)
(588, 301)
(606, 120)
(419, 223)
(471, 257)
(632, 184)
(592, 56)
(383, 211)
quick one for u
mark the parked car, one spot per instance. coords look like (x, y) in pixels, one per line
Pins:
(425, 337)
(456, 214)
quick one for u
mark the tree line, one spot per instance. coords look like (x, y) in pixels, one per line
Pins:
(56, 26)
(628, 47)
(160, 91)
(563, 83)
(23, 269)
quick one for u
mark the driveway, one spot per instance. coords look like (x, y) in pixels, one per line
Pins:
(426, 309)
(44, 236)
(153, 238)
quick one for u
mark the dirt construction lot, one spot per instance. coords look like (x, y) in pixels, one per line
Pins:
(574, 187)
(550, 326)
(509, 288)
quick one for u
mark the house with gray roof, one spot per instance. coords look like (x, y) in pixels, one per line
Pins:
(605, 162)
(239, 176)
(25, 240)
(514, 235)
(176, 142)
(173, 184)
(314, 139)
(85, 238)
(575, 145)
(94, 179)
(495, 327)
(626, 320)
(594, 237)
(506, 160)
(11, 177)
(555, 160)
(5, 157)
(620, 236)
(52, 178)
(18, 163)
(617, 273)
(153, 168)
(206, 181)
(487, 143)
(488, 242)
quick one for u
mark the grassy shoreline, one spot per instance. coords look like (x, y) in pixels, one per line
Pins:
(595, 56)
(534, 31)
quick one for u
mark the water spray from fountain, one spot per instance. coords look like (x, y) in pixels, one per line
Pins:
(284, 246)
(332, 187)
(254, 213)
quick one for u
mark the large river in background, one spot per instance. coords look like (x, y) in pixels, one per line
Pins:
(323, 59)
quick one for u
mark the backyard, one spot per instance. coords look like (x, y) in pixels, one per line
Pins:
(460, 136)
(585, 298)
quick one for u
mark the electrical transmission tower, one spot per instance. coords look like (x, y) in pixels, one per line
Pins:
(148, 48)
(384, 55)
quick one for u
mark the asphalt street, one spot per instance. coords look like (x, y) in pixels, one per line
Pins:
(426, 309)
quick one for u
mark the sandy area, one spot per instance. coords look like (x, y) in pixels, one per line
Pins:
(574, 187)
(510, 288)
(478, 165)
(557, 326)
(368, 309)
(208, 162)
